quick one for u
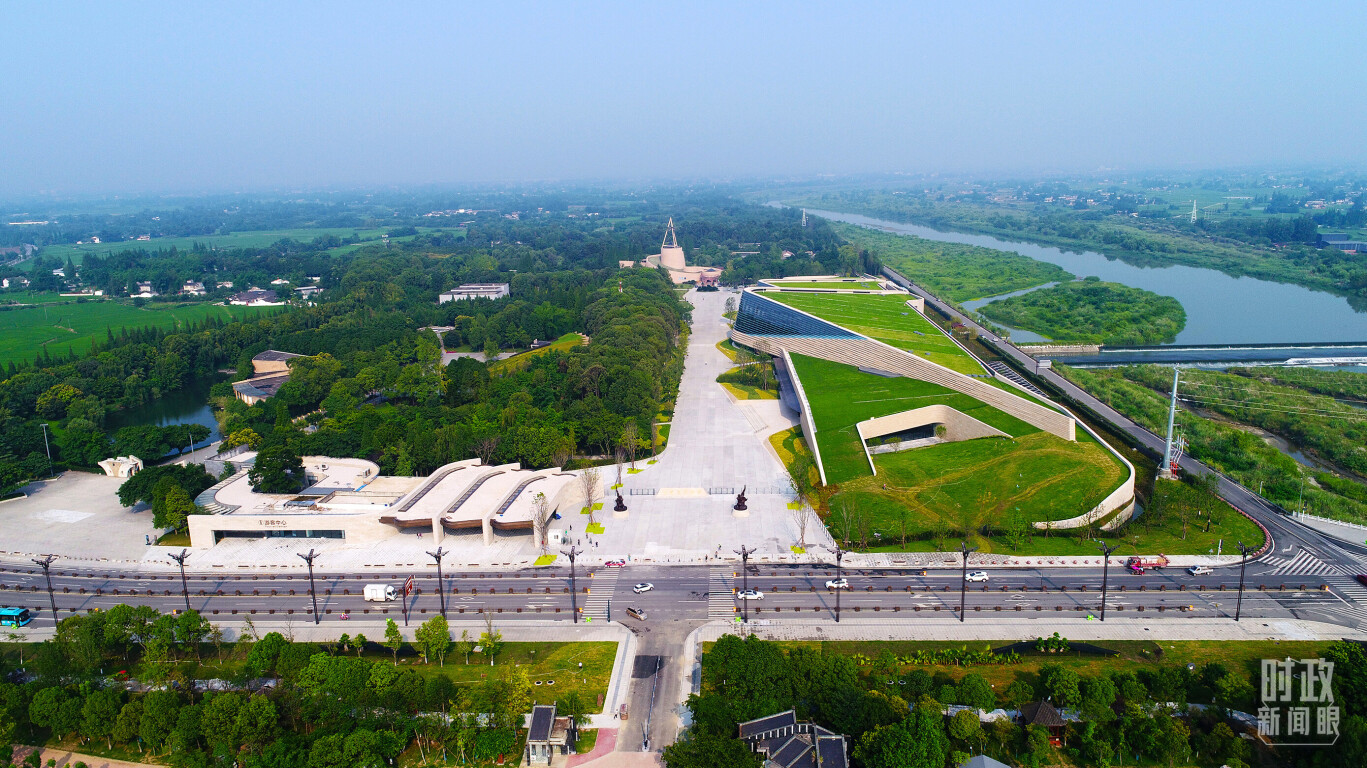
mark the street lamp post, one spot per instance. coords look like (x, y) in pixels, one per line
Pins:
(440, 593)
(839, 555)
(744, 553)
(574, 597)
(313, 593)
(46, 562)
(184, 587)
(1243, 550)
(47, 448)
(963, 579)
(1106, 549)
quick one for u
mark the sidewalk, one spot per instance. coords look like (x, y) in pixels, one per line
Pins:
(66, 759)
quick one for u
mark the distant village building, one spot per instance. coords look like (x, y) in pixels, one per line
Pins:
(193, 288)
(14, 282)
(625, 264)
(255, 297)
(475, 291)
(1340, 241)
(280, 281)
(786, 743)
(306, 291)
(144, 291)
(270, 370)
(224, 284)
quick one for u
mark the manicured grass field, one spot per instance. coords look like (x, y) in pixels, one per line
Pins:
(72, 325)
(519, 361)
(888, 319)
(850, 285)
(841, 396)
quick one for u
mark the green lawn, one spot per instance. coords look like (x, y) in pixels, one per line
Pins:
(841, 396)
(888, 319)
(519, 361)
(72, 325)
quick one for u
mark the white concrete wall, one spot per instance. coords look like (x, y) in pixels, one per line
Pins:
(958, 426)
(805, 410)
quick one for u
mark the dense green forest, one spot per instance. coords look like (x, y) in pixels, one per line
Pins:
(1113, 231)
(891, 706)
(1317, 423)
(122, 682)
(1092, 312)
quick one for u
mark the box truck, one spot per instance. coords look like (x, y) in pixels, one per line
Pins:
(379, 593)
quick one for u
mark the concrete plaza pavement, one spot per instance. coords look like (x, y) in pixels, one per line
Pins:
(76, 515)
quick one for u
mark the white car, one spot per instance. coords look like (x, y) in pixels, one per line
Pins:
(644, 586)
(977, 576)
(840, 583)
(1200, 570)
(750, 594)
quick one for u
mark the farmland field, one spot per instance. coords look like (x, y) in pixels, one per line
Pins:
(72, 326)
(257, 239)
(888, 319)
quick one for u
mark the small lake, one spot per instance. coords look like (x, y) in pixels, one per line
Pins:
(188, 406)
(1220, 309)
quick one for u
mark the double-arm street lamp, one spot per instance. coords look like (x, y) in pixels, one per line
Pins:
(963, 580)
(440, 593)
(312, 592)
(46, 562)
(839, 555)
(184, 587)
(745, 553)
(571, 553)
(1243, 550)
(1106, 550)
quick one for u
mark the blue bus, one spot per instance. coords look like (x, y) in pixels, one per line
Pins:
(14, 617)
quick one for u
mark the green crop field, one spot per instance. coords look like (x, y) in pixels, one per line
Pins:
(888, 319)
(841, 396)
(72, 325)
(258, 239)
(842, 285)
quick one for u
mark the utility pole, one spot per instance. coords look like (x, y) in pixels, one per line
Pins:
(1165, 470)
(963, 579)
(1243, 550)
(47, 448)
(184, 587)
(312, 592)
(839, 555)
(440, 593)
(574, 597)
(1106, 549)
(46, 562)
(745, 553)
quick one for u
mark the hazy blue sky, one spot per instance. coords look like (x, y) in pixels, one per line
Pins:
(193, 96)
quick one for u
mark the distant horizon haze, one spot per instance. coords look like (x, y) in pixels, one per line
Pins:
(159, 97)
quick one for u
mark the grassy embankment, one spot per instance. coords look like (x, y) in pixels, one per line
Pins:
(1261, 399)
(887, 319)
(520, 360)
(1092, 312)
(840, 285)
(72, 326)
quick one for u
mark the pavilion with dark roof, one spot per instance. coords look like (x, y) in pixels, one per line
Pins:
(1043, 714)
(786, 743)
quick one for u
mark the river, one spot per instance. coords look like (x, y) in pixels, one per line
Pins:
(1220, 309)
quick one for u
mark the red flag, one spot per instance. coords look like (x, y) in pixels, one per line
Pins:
(408, 587)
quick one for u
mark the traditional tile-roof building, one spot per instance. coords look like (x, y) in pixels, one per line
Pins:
(270, 370)
(786, 743)
(1043, 714)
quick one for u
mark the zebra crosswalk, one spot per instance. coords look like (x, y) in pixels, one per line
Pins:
(601, 588)
(1353, 593)
(721, 602)
(1302, 564)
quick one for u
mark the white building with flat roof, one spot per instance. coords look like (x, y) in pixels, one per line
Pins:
(475, 291)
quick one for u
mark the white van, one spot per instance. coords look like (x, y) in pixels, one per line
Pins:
(379, 593)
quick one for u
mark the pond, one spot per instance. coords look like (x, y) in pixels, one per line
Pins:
(187, 406)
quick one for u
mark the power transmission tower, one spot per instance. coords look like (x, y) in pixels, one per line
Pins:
(1193, 211)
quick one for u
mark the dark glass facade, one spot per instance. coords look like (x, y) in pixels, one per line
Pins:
(759, 316)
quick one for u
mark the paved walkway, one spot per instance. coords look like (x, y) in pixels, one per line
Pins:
(606, 743)
(64, 759)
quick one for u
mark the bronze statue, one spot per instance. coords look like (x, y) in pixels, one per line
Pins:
(621, 505)
(740, 500)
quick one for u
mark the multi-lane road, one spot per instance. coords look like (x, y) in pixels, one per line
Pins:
(1294, 587)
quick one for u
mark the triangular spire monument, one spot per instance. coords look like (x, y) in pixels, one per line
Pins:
(671, 255)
